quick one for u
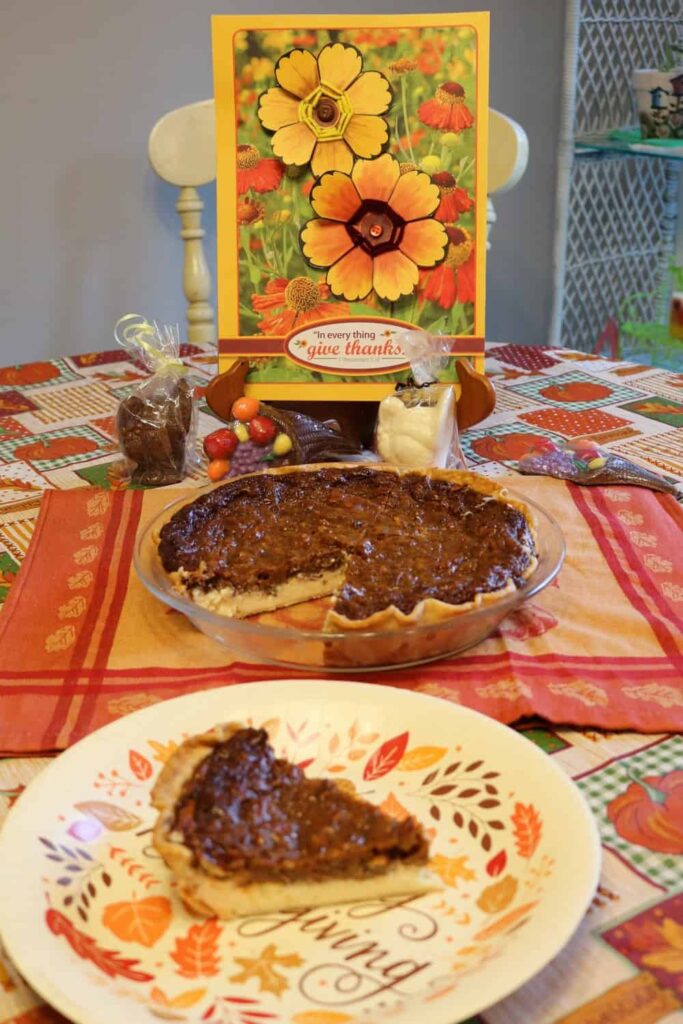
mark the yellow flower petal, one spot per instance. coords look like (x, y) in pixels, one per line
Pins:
(376, 179)
(277, 108)
(393, 275)
(339, 65)
(369, 94)
(351, 276)
(294, 143)
(331, 156)
(366, 134)
(414, 196)
(297, 72)
(424, 242)
(335, 197)
(324, 242)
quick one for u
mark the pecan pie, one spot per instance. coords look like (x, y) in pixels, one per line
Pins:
(245, 832)
(393, 547)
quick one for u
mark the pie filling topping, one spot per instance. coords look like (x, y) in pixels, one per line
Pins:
(252, 816)
(397, 539)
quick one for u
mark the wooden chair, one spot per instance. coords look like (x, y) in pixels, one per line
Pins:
(182, 151)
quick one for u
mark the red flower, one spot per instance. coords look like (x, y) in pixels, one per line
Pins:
(378, 37)
(454, 280)
(295, 303)
(429, 60)
(262, 174)
(447, 111)
(454, 200)
(404, 142)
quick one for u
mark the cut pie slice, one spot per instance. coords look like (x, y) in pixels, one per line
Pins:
(245, 832)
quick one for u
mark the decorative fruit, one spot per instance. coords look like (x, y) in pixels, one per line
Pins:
(543, 444)
(262, 430)
(217, 469)
(241, 433)
(221, 444)
(649, 812)
(583, 444)
(244, 409)
(282, 444)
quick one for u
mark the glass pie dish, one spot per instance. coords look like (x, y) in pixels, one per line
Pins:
(293, 637)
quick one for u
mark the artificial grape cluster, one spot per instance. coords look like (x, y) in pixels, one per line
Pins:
(250, 444)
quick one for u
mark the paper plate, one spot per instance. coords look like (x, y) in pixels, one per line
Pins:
(89, 915)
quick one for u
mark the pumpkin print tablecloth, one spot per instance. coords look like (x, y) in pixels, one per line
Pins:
(625, 964)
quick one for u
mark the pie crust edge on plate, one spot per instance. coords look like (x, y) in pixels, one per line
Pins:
(216, 894)
(426, 612)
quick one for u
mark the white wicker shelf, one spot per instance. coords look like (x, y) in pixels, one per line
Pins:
(617, 205)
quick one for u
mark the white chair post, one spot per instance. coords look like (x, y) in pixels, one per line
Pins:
(508, 158)
(201, 327)
(182, 151)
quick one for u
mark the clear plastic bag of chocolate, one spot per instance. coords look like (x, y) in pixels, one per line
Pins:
(416, 425)
(156, 423)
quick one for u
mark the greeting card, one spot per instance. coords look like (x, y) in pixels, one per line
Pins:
(351, 177)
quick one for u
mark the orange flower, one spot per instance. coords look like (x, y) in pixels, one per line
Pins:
(248, 211)
(455, 279)
(262, 174)
(374, 229)
(295, 303)
(429, 60)
(406, 141)
(402, 66)
(447, 111)
(305, 39)
(454, 200)
(376, 37)
(325, 109)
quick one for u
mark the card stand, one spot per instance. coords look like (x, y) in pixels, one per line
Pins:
(476, 401)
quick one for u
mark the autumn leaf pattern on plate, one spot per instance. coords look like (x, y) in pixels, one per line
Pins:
(110, 901)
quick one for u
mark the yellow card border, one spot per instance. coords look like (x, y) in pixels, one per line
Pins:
(223, 29)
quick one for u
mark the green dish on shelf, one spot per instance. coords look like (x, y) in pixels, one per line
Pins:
(632, 137)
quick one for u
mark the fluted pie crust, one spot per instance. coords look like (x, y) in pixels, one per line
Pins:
(209, 890)
(297, 589)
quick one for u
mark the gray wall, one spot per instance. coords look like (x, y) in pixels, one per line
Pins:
(87, 230)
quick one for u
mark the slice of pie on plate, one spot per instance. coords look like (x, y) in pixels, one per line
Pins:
(393, 547)
(245, 832)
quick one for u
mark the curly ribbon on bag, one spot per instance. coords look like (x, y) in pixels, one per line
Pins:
(157, 347)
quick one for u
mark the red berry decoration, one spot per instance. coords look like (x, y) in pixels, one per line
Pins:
(221, 444)
(262, 430)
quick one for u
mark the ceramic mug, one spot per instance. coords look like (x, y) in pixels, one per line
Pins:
(659, 102)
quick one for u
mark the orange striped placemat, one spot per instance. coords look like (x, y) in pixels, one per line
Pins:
(82, 641)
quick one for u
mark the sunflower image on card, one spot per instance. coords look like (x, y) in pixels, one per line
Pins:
(351, 197)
